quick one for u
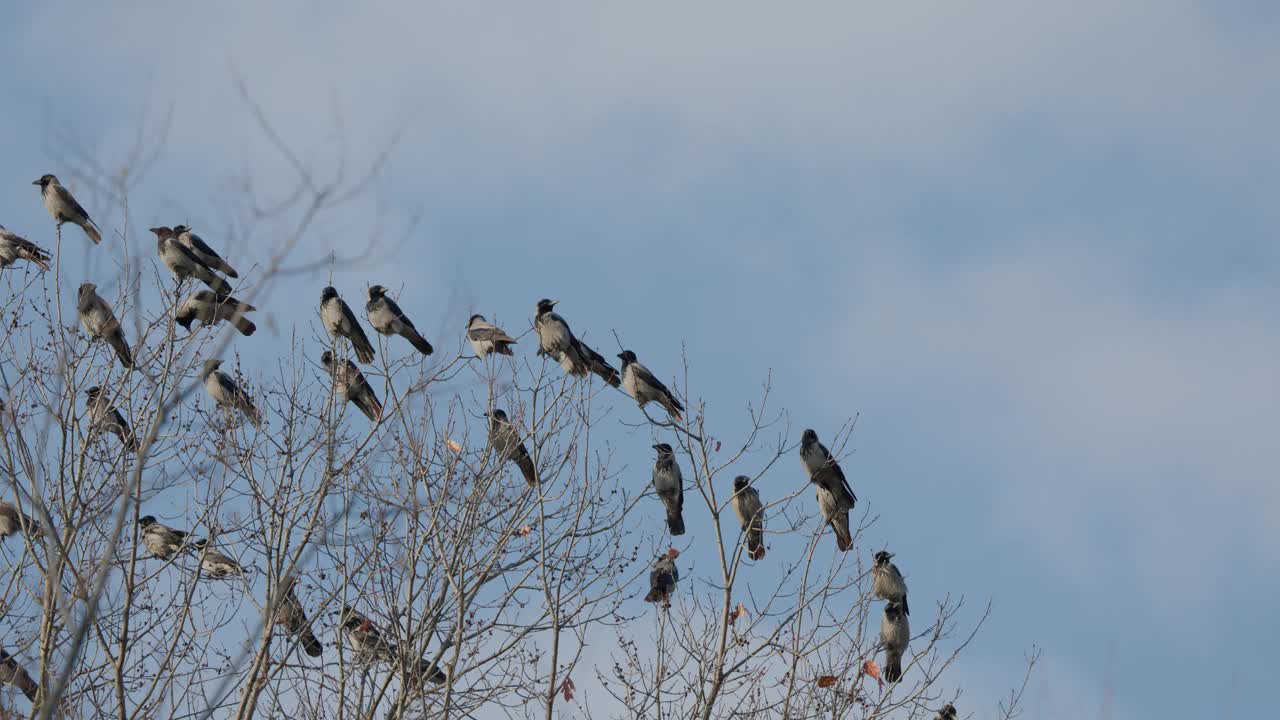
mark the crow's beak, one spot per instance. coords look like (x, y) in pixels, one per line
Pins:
(35, 182)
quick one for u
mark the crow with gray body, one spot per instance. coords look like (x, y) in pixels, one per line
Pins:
(339, 320)
(370, 646)
(948, 712)
(293, 618)
(216, 565)
(895, 633)
(662, 581)
(14, 247)
(887, 582)
(556, 339)
(485, 337)
(750, 512)
(226, 393)
(210, 308)
(835, 497)
(11, 673)
(349, 382)
(206, 254)
(162, 541)
(103, 416)
(504, 438)
(387, 318)
(185, 264)
(645, 387)
(13, 520)
(99, 321)
(64, 208)
(669, 484)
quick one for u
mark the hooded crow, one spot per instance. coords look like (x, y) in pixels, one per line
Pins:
(103, 416)
(11, 673)
(669, 484)
(99, 321)
(387, 318)
(184, 264)
(351, 385)
(13, 520)
(662, 581)
(293, 618)
(339, 320)
(162, 541)
(887, 582)
(835, 497)
(642, 385)
(895, 633)
(948, 712)
(211, 308)
(216, 565)
(557, 340)
(226, 393)
(203, 252)
(14, 247)
(370, 646)
(504, 438)
(485, 337)
(64, 208)
(750, 511)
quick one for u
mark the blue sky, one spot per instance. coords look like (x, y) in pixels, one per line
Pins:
(1032, 244)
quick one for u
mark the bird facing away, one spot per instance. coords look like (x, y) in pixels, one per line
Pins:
(895, 632)
(104, 417)
(226, 393)
(642, 385)
(485, 337)
(835, 497)
(216, 565)
(206, 254)
(504, 438)
(339, 320)
(14, 247)
(162, 541)
(556, 340)
(349, 382)
(211, 308)
(669, 484)
(387, 318)
(293, 618)
(948, 712)
(99, 321)
(750, 511)
(13, 520)
(64, 208)
(662, 581)
(887, 582)
(11, 673)
(185, 264)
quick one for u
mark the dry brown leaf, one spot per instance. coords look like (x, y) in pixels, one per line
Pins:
(452, 445)
(871, 668)
(566, 689)
(524, 531)
(827, 681)
(738, 612)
